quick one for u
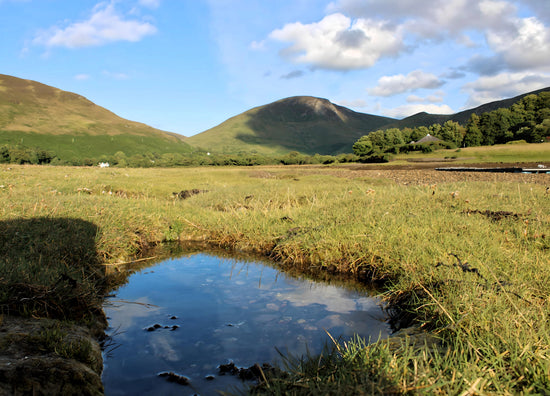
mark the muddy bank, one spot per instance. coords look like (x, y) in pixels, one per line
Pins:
(49, 357)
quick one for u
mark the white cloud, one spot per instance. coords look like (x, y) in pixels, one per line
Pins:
(437, 98)
(356, 103)
(82, 77)
(431, 19)
(257, 45)
(393, 85)
(527, 47)
(338, 43)
(504, 85)
(411, 109)
(104, 26)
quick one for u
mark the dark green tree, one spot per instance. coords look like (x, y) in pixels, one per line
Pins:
(473, 136)
(363, 146)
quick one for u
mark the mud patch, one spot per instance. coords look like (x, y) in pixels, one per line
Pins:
(184, 194)
(496, 215)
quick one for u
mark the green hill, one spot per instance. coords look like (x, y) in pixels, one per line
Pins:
(312, 125)
(302, 123)
(37, 115)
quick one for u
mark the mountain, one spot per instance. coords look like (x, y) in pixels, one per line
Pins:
(301, 123)
(313, 125)
(37, 115)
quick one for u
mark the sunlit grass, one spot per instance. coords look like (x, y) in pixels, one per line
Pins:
(482, 327)
(506, 153)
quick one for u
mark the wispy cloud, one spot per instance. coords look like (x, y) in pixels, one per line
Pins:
(150, 3)
(490, 88)
(292, 74)
(356, 103)
(104, 26)
(82, 77)
(393, 85)
(436, 98)
(115, 76)
(411, 109)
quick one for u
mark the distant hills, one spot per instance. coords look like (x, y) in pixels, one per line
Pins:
(302, 123)
(313, 125)
(37, 115)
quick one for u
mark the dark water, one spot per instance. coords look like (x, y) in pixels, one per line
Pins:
(224, 310)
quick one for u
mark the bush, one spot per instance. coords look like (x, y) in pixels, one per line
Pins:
(377, 158)
(517, 142)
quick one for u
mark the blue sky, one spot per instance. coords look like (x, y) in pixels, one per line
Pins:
(187, 65)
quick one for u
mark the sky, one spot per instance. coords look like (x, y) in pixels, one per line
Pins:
(185, 66)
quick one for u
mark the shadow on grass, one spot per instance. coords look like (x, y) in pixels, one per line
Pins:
(50, 268)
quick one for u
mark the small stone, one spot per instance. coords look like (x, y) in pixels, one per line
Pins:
(173, 377)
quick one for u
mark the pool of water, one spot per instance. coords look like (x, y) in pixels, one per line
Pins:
(191, 314)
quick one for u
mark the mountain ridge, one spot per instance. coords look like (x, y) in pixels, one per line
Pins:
(299, 121)
(37, 115)
(30, 111)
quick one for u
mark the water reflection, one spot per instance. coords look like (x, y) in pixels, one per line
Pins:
(191, 314)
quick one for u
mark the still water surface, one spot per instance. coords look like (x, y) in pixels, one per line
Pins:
(213, 310)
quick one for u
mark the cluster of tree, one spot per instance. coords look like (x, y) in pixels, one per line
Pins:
(208, 159)
(393, 141)
(528, 119)
(24, 155)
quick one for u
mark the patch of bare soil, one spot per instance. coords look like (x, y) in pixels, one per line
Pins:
(425, 174)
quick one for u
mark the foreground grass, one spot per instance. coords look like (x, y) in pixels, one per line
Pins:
(481, 327)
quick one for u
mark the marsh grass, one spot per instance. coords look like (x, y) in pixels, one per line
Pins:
(482, 322)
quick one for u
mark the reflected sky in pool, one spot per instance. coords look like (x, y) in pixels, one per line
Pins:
(213, 310)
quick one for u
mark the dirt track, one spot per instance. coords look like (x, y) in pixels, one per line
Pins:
(425, 174)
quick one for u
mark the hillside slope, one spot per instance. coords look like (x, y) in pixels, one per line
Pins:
(37, 115)
(301, 123)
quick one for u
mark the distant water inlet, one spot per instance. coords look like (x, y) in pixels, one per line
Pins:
(190, 315)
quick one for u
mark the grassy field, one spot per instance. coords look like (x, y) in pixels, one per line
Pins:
(499, 153)
(461, 258)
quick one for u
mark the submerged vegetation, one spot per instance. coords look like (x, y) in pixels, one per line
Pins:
(461, 259)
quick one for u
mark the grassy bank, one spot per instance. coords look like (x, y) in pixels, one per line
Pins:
(499, 153)
(464, 257)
